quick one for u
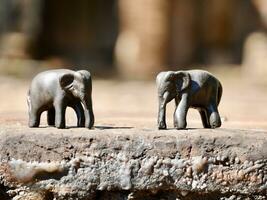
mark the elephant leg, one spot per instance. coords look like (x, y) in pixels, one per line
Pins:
(181, 112)
(78, 108)
(34, 117)
(175, 122)
(213, 116)
(204, 118)
(162, 117)
(162, 113)
(88, 112)
(163, 100)
(51, 116)
(60, 110)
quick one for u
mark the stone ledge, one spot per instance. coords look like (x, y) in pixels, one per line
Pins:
(126, 163)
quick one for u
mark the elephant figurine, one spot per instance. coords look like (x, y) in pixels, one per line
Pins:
(190, 89)
(55, 90)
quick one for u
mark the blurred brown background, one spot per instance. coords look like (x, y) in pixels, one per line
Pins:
(122, 40)
(133, 39)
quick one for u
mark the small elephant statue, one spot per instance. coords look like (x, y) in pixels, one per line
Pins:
(190, 89)
(55, 90)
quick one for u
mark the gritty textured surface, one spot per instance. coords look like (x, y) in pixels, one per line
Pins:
(112, 163)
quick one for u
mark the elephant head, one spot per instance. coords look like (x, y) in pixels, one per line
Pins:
(170, 85)
(79, 84)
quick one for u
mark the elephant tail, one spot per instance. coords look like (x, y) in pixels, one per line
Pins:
(219, 93)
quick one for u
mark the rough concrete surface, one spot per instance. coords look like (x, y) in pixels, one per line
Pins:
(133, 163)
(126, 157)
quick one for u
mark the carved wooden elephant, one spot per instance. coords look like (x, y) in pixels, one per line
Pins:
(191, 89)
(54, 90)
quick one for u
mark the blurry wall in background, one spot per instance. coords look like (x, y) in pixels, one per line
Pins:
(135, 38)
(143, 43)
(82, 33)
(255, 49)
(181, 33)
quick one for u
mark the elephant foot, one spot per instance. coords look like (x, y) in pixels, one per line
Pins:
(33, 124)
(215, 125)
(90, 126)
(61, 126)
(80, 125)
(215, 120)
(180, 126)
(162, 126)
(51, 123)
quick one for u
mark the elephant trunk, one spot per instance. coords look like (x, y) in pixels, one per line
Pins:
(88, 112)
(162, 110)
(161, 116)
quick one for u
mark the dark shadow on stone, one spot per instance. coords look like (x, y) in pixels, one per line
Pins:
(41, 126)
(44, 175)
(49, 196)
(3, 193)
(95, 127)
(112, 195)
(170, 195)
(113, 127)
(186, 129)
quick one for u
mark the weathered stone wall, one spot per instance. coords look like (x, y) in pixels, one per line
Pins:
(47, 164)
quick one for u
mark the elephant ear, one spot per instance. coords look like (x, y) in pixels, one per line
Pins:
(66, 81)
(182, 80)
(85, 74)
